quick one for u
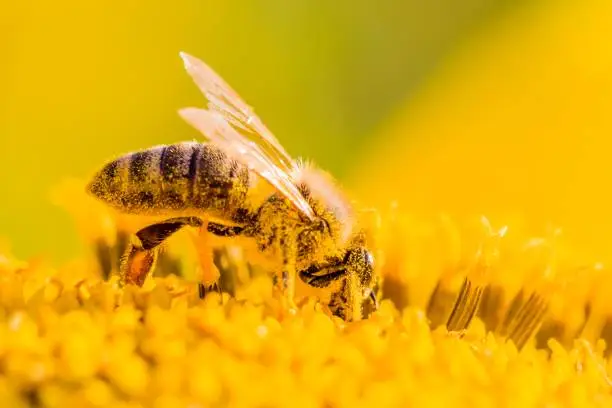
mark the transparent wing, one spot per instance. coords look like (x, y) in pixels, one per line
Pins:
(223, 99)
(213, 125)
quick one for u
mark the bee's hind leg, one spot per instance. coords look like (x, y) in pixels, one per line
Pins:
(142, 252)
(208, 274)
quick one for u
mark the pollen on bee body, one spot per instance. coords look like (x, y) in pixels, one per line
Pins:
(107, 183)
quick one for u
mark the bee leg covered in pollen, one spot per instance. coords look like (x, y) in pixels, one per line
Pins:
(359, 265)
(208, 272)
(339, 301)
(284, 283)
(355, 298)
(141, 254)
(137, 263)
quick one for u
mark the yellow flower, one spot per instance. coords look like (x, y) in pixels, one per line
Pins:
(476, 311)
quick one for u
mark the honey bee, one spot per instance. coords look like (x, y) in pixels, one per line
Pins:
(241, 184)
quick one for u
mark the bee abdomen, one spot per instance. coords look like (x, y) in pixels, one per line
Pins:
(177, 177)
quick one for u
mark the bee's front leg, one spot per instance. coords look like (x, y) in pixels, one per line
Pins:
(284, 284)
(354, 298)
(347, 301)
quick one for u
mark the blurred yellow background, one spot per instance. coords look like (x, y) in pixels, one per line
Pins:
(516, 125)
(475, 106)
(81, 82)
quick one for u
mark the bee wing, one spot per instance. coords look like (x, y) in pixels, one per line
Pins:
(213, 125)
(223, 99)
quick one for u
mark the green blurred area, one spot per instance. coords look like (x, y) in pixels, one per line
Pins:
(81, 82)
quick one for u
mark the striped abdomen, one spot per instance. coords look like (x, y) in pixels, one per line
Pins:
(179, 177)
